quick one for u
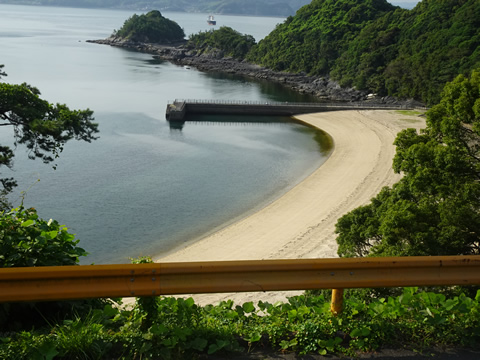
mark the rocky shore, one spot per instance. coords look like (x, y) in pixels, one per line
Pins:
(214, 61)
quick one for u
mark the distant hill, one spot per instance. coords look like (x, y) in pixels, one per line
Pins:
(373, 45)
(239, 7)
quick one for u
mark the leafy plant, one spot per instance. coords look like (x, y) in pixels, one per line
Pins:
(182, 330)
(27, 240)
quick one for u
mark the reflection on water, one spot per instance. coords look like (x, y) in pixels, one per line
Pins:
(274, 91)
(322, 139)
(146, 185)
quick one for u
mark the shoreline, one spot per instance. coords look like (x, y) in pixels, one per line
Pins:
(320, 87)
(301, 223)
(256, 208)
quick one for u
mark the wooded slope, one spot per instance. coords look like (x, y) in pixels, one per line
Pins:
(372, 45)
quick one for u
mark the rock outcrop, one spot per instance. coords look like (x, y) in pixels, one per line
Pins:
(214, 61)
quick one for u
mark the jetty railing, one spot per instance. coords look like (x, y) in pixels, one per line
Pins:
(356, 104)
(137, 280)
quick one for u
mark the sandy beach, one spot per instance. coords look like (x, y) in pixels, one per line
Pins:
(301, 223)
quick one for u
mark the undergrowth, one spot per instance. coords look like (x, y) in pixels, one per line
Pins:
(170, 328)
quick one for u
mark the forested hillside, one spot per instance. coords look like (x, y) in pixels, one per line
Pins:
(317, 35)
(372, 45)
(414, 53)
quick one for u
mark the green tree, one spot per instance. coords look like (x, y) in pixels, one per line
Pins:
(414, 53)
(230, 41)
(151, 28)
(372, 45)
(42, 127)
(314, 38)
(435, 208)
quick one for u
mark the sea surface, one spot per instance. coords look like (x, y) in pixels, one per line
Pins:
(144, 188)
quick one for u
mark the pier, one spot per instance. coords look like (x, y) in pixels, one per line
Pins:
(178, 109)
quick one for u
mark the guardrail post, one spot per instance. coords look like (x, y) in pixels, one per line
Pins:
(336, 305)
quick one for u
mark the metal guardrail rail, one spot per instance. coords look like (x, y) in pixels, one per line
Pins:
(97, 281)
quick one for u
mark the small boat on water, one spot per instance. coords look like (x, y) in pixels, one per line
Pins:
(211, 20)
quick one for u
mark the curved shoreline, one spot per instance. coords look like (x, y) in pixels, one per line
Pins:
(301, 223)
(320, 87)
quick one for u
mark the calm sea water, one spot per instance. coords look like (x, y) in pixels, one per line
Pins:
(143, 188)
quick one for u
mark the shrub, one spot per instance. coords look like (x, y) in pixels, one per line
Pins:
(27, 240)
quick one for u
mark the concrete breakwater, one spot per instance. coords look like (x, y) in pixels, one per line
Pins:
(178, 109)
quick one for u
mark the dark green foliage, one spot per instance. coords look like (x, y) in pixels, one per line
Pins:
(27, 240)
(229, 41)
(377, 47)
(317, 35)
(435, 208)
(414, 53)
(151, 28)
(181, 329)
(42, 127)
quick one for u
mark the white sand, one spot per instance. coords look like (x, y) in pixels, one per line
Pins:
(301, 223)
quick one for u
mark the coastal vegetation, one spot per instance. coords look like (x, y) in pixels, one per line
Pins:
(25, 239)
(372, 45)
(169, 328)
(441, 167)
(230, 41)
(434, 209)
(152, 27)
(317, 35)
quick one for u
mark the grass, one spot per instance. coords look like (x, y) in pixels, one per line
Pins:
(410, 112)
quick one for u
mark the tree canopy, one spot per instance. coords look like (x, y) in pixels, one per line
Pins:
(315, 37)
(435, 208)
(372, 45)
(42, 127)
(230, 41)
(151, 28)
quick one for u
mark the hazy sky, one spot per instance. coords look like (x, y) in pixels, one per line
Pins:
(404, 3)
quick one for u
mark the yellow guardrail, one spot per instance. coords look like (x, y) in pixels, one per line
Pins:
(97, 281)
